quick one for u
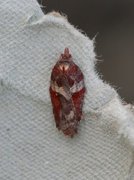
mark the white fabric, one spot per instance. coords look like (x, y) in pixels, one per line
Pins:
(30, 145)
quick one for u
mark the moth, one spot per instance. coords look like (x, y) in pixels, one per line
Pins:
(67, 89)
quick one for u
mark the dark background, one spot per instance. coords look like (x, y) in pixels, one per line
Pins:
(113, 23)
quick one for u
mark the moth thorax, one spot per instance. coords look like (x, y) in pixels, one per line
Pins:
(64, 66)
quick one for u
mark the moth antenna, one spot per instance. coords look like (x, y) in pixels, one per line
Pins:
(66, 54)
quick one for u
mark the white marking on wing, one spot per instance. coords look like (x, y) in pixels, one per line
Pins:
(77, 87)
(60, 90)
(70, 115)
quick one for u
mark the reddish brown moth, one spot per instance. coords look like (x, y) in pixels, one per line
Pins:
(67, 91)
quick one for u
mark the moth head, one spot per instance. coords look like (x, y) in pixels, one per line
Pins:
(66, 55)
(65, 60)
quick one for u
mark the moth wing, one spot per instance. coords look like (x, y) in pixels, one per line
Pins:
(56, 107)
(78, 99)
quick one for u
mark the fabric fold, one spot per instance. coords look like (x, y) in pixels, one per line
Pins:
(29, 53)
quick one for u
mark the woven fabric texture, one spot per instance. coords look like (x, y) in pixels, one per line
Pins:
(31, 147)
